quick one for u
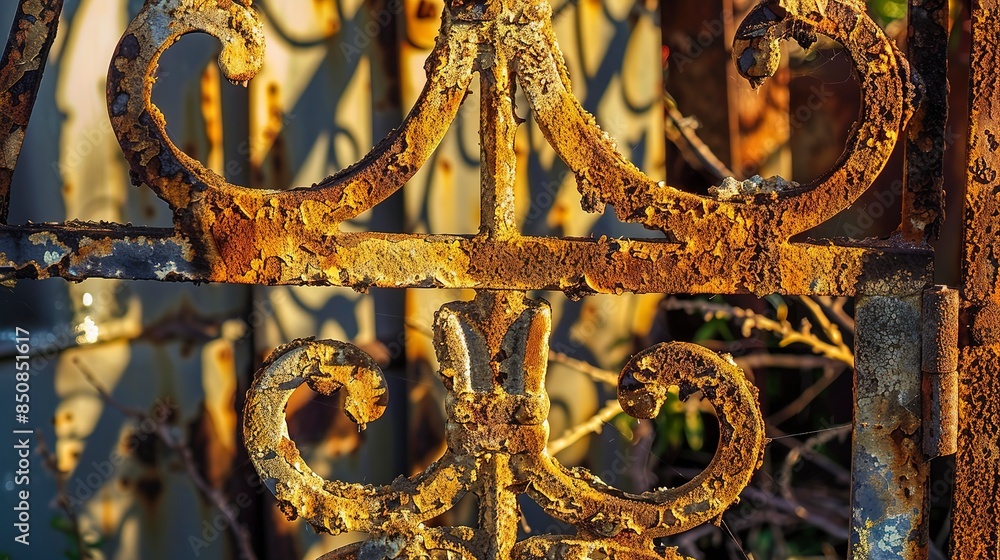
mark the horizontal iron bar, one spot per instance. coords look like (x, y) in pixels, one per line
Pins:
(578, 266)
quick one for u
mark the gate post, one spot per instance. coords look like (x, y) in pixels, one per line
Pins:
(888, 468)
(976, 517)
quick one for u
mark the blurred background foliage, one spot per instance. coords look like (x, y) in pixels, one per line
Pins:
(142, 384)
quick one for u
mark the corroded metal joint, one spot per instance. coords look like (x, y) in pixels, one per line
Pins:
(939, 357)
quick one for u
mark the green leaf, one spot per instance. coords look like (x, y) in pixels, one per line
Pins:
(694, 428)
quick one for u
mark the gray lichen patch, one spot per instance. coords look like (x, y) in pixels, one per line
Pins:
(732, 188)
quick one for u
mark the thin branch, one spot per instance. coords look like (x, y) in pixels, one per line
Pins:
(594, 372)
(594, 425)
(51, 463)
(836, 349)
(240, 532)
(807, 396)
(796, 455)
(420, 329)
(687, 542)
(831, 330)
(784, 361)
(822, 523)
(834, 308)
(680, 130)
(840, 474)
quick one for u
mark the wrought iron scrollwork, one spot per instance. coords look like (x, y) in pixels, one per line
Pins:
(743, 237)
(294, 236)
(493, 355)
(493, 350)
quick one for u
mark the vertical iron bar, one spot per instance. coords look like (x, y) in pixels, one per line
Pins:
(498, 125)
(888, 470)
(31, 37)
(976, 514)
(923, 195)
(498, 510)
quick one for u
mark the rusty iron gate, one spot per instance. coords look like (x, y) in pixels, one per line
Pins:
(925, 382)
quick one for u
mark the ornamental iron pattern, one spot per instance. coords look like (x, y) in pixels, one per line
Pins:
(740, 238)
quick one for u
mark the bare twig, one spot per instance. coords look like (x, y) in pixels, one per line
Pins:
(51, 463)
(680, 130)
(426, 331)
(242, 536)
(748, 320)
(840, 474)
(830, 375)
(783, 361)
(831, 330)
(796, 455)
(687, 542)
(595, 424)
(594, 372)
(825, 524)
(834, 308)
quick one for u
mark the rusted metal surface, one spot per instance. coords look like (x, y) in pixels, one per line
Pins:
(255, 236)
(889, 471)
(493, 353)
(927, 49)
(21, 68)
(940, 370)
(576, 266)
(940, 341)
(976, 527)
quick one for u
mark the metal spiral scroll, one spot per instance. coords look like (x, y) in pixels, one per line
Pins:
(493, 354)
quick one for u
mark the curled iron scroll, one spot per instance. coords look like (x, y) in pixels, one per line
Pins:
(604, 512)
(336, 507)
(616, 523)
(191, 189)
(779, 210)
